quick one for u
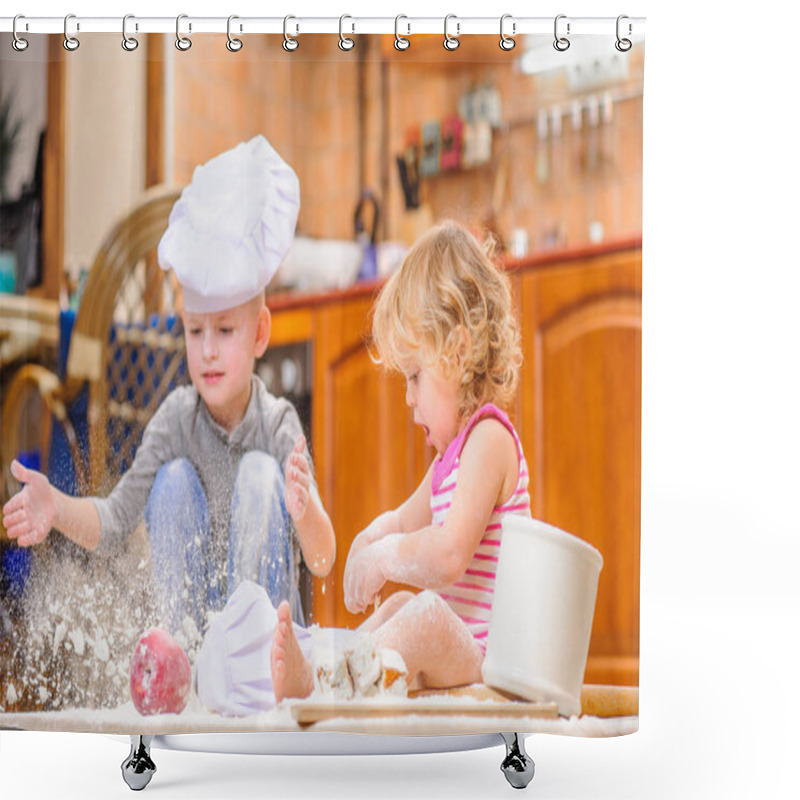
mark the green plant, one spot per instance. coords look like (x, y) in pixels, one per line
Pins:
(9, 134)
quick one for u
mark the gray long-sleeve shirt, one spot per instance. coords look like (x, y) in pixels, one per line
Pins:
(183, 428)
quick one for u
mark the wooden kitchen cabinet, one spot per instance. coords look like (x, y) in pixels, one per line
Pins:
(581, 430)
(367, 453)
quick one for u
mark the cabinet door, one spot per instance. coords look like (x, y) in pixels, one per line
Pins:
(369, 457)
(581, 430)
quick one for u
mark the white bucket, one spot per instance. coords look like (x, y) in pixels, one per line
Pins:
(542, 613)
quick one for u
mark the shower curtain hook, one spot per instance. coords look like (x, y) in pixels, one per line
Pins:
(623, 45)
(129, 43)
(506, 42)
(451, 42)
(233, 44)
(71, 43)
(345, 42)
(561, 43)
(18, 43)
(290, 44)
(400, 42)
(183, 43)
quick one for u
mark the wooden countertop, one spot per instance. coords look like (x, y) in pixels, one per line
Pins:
(284, 301)
(46, 311)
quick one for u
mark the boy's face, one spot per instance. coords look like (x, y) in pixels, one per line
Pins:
(220, 348)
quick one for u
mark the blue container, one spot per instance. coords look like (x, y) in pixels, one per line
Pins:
(8, 271)
(31, 459)
(15, 567)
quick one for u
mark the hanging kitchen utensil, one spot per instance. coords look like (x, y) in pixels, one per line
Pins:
(431, 145)
(607, 139)
(557, 172)
(576, 144)
(477, 144)
(409, 180)
(451, 142)
(593, 147)
(369, 264)
(542, 154)
(491, 221)
(409, 173)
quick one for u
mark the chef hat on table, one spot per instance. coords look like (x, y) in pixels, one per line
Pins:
(234, 676)
(232, 227)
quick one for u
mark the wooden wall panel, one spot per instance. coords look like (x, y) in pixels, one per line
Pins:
(581, 393)
(53, 190)
(368, 455)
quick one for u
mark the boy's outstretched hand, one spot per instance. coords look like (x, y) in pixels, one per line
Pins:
(28, 515)
(297, 481)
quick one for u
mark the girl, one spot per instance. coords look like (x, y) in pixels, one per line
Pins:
(446, 321)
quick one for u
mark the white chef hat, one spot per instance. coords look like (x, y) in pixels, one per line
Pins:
(234, 675)
(232, 227)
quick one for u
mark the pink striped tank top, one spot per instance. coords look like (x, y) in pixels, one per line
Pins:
(472, 594)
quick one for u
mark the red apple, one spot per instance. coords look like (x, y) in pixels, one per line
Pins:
(160, 674)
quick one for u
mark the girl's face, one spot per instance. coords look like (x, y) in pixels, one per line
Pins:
(220, 348)
(433, 397)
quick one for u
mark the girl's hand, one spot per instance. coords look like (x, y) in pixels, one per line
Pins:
(28, 516)
(297, 480)
(362, 540)
(365, 574)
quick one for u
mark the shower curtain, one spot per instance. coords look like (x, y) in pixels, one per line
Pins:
(536, 153)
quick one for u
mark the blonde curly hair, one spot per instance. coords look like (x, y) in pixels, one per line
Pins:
(447, 287)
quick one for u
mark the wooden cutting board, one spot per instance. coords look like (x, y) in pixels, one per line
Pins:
(473, 701)
(596, 700)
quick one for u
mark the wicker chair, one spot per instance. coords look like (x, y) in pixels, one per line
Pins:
(126, 353)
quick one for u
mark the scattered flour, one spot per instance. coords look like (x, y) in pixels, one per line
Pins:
(101, 649)
(331, 674)
(347, 664)
(61, 632)
(11, 695)
(78, 641)
(80, 621)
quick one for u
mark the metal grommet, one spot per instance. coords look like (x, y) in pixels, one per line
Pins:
(623, 45)
(18, 43)
(400, 42)
(451, 42)
(129, 43)
(561, 43)
(290, 44)
(183, 43)
(506, 42)
(233, 44)
(345, 42)
(70, 42)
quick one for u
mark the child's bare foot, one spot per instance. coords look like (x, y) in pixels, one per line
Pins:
(292, 675)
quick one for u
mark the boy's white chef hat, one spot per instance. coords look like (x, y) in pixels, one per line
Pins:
(231, 227)
(233, 667)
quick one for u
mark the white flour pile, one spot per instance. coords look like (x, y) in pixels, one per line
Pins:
(80, 622)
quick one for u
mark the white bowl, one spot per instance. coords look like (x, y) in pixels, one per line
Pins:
(542, 613)
(319, 264)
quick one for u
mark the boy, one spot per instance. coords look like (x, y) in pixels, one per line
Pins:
(220, 458)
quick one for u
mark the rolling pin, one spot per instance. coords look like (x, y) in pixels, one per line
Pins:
(597, 700)
(609, 701)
